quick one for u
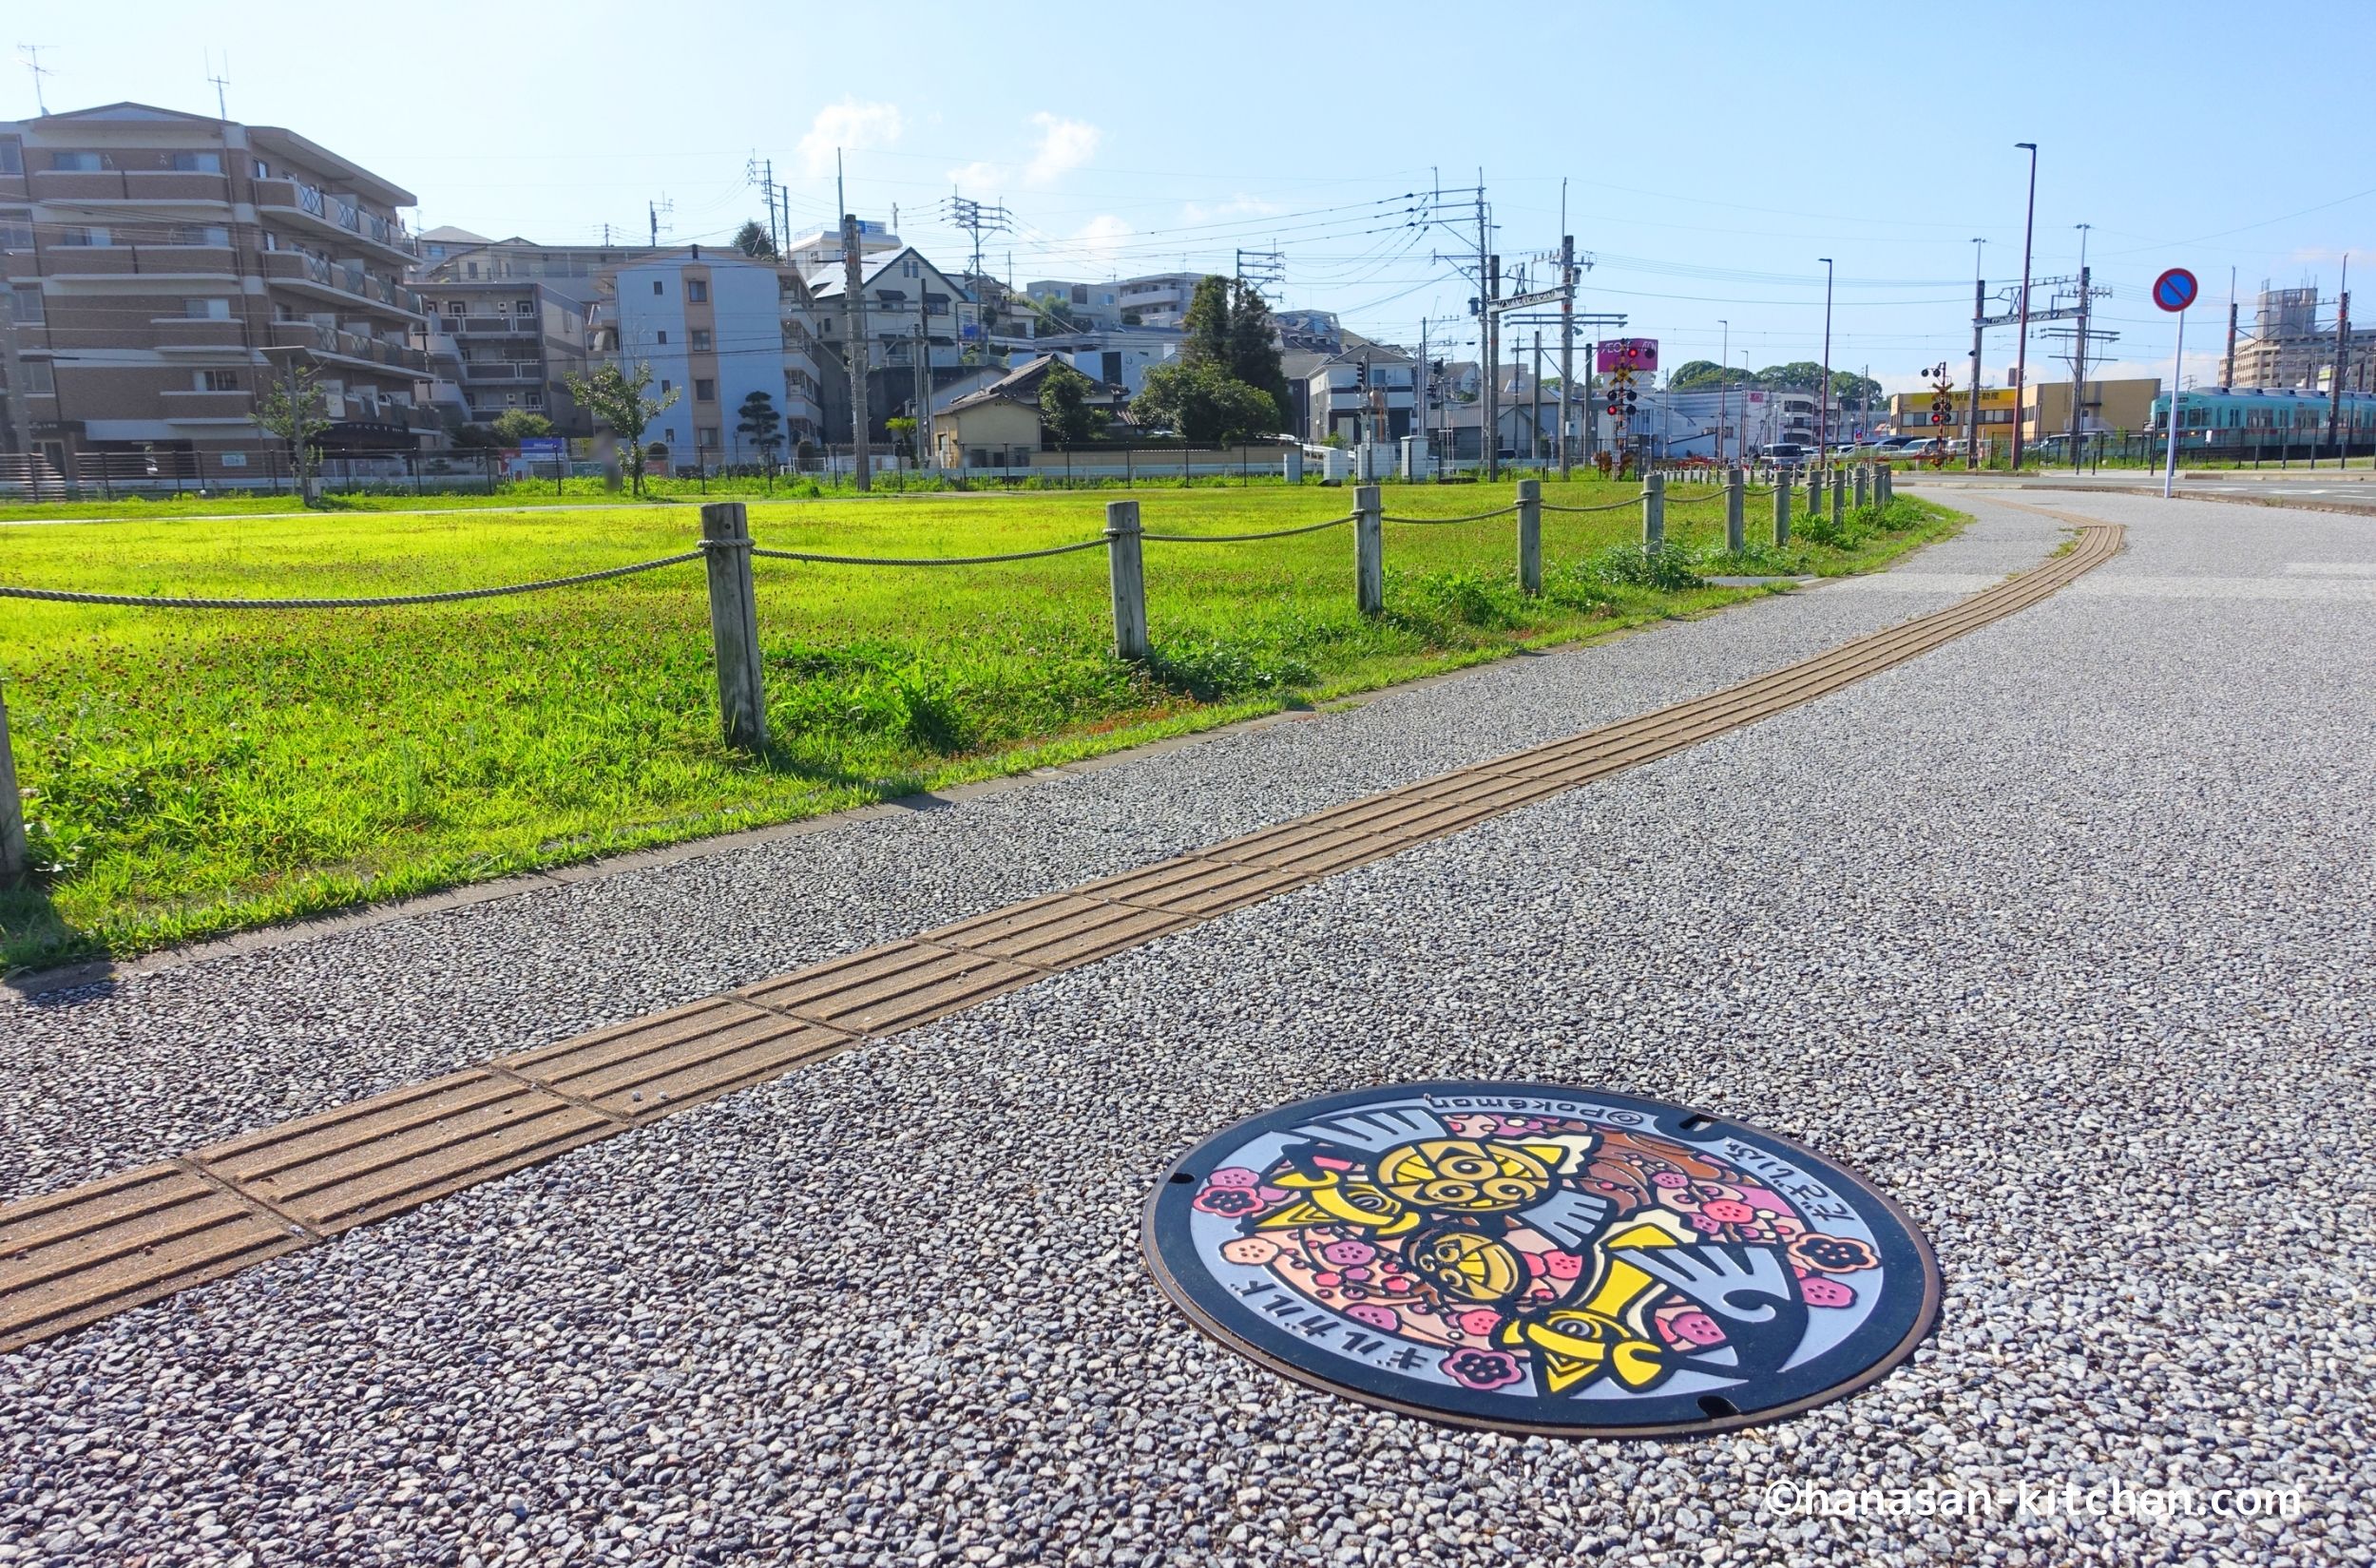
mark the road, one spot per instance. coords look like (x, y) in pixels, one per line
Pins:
(2060, 933)
(2325, 489)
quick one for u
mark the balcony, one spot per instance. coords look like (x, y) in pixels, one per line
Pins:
(334, 214)
(494, 326)
(345, 280)
(149, 186)
(197, 333)
(207, 405)
(502, 369)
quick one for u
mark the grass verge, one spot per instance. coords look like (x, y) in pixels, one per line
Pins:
(188, 774)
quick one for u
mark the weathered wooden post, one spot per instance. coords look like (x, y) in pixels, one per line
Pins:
(1530, 536)
(1781, 509)
(1814, 492)
(1369, 550)
(1839, 494)
(15, 859)
(1653, 510)
(1735, 518)
(1884, 482)
(1864, 481)
(735, 624)
(1126, 569)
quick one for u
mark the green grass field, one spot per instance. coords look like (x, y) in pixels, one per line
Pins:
(192, 773)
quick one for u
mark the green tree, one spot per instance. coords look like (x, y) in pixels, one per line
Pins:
(1204, 403)
(1207, 324)
(1064, 410)
(1799, 375)
(1253, 353)
(1856, 392)
(1701, 373)
(514, 426)
(903, 434)
(761, 429)
(624, 404)
(751, 240)
(295, 408)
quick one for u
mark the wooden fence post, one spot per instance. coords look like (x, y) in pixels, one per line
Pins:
(1781, 508)
(1839, 494)
(735, 624)
(1815, 491)
(1530, 536)
(1735, 517)
(1653, 510)
(1126, 569)
(15, 859)
(1369, 550)
(1863, 483)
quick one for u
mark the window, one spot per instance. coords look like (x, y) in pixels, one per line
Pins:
(661, 336)
(665, 388)
(27, 306)
(670, 433)
(198, 163)
(704, 391)
(536, 400)
(272, 240)
(82, 235)
(656, 288)
(260, 169)
(11, 155)
(469, 269)
(697, 292)
(907, 267)
(213, 309)
(526, 307)
(40, 381)
(705, 435)
(700, 339)
(16, 229)
(80, 163)
(218, 381)
(200, 234)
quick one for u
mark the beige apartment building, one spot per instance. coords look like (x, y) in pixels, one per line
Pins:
(160, 265)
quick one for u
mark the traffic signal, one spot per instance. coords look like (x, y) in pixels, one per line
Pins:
(1361, 375)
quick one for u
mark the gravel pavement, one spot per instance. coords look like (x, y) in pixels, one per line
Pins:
(2060, 933)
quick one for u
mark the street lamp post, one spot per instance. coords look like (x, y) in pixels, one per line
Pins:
(2021, 351)
(1823, 394)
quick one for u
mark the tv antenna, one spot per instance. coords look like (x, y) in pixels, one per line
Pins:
(220, 77)
(32, 63)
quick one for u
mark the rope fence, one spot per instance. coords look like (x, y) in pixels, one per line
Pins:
(153, 602)
(1473, 517)
(728, 550)
(925, 560)
(1244, 538)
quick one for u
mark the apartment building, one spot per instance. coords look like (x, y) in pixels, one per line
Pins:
(818, 253)
(2287, 345)
(159, 265)
(494, 347)
(714, 327)
(1158, 299)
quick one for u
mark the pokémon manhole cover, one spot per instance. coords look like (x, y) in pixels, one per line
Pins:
(1541, 1259)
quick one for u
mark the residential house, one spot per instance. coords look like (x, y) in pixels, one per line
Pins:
(160, 266)
(999, 427)
(921, 328)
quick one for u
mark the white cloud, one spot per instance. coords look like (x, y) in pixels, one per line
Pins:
(1241, 205)
(849, 126)
(1102, 236)
(1065, 146)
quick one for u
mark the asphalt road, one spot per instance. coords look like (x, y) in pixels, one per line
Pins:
(2059, 933)
(2326, 489)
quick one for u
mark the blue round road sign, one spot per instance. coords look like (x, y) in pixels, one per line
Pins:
(2176, 289)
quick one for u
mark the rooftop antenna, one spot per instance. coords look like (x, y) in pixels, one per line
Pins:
(32, 63)
(220, 77)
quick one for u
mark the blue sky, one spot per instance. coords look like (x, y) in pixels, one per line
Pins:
(1711, 152)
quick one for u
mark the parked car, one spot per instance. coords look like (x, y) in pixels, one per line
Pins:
(1921, 447)
(1784, 454)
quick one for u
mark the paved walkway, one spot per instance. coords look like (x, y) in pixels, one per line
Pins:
(2055, 932)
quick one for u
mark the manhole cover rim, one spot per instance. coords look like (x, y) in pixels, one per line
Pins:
(1924, 1320)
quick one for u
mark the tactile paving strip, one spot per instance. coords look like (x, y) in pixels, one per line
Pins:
(71, 1257)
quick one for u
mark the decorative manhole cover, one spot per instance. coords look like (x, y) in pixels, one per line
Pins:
(1541, 1259)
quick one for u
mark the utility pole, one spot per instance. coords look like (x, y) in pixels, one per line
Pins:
(1490, 351)
(2020, 352)
(2227, 366)
(2078, 357)
(1724, 386)
(1823, 394)
(1971, 413)
(1568, 343)
(1534, 416)
(2343, 359)
(855, 344)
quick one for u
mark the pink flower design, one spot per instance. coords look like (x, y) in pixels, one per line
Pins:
(1699, 1328)
(1483, 1370)
(1480, 1321)
(1234, 1175)
(1229, 1202)
(1729, 1212)
(1706, 1224)
(1251, 1251)
(1564, 1265)
(1820, 1292)
(1669, 1178)
(1375, 1315)
(1346, 1254)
